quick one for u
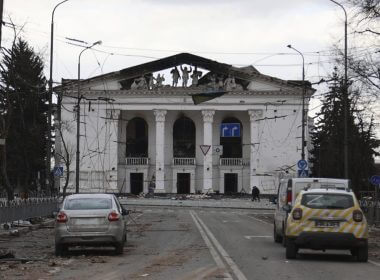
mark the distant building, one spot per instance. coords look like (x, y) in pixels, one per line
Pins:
(141, 122)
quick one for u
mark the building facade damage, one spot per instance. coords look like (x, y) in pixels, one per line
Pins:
(142, 123)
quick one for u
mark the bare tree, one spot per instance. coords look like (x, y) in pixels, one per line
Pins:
(68, 152)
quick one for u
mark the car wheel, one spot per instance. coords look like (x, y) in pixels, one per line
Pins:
(119, 248)
(277, 238)
(291, 249)
(60, 249)
(362, 254)
(354, 252)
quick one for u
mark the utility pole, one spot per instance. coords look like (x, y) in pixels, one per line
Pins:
(345, 94)
(79, 97)
(303, 102)
(50, 97)
(1, 19)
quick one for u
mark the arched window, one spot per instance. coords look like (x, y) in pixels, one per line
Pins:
(232, 142)
(184, 138)
(137, 138)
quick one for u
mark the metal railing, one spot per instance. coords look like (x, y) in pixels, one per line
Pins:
(23, 209)
(183, 161)
(370, 204)
(234, 162)
(137, 161)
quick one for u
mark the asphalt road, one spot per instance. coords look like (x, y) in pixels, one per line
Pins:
(185, 244)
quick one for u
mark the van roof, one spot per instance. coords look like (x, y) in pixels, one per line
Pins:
(335, 191)
(321, 180)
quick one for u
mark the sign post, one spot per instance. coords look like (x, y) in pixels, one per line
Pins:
(303, 168)
(58, 171)
(375, 180)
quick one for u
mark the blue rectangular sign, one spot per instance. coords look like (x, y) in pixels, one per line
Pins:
(230, 130)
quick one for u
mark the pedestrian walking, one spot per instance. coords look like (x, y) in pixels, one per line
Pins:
(255, 193)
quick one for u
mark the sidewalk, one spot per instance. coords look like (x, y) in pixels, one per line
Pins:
(237, 203)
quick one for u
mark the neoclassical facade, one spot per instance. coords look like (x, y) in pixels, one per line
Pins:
(141, 123)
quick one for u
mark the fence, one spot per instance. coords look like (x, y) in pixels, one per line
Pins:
(23, 209)
(370, 204)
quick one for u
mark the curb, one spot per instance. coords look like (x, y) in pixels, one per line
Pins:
(197, 206)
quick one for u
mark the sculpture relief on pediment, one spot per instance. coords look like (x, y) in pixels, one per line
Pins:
(181, 77)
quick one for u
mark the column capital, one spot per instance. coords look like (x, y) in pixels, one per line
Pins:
(255, 114)
(160, 115)
(208, 115)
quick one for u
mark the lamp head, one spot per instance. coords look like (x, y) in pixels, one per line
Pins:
(289, 46)
(97, 43)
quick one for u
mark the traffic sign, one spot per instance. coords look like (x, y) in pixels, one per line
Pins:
(375, 180)
(205, 149)
(217, 149)
(303, 173)
(58, 171)
(230, 130)
(302, 164)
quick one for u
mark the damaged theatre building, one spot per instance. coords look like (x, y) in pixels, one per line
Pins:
(192, 124)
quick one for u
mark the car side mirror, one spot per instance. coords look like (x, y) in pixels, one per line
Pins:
(287, 208)
(124, 212)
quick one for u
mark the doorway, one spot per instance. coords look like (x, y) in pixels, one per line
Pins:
(183, 183)
(230, 183)
(137, 183)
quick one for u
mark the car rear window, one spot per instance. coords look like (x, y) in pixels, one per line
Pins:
(327, 201)
(88, 203)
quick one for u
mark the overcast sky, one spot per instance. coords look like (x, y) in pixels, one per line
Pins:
(238, 32)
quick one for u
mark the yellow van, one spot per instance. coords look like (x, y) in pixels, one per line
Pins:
(327, 219)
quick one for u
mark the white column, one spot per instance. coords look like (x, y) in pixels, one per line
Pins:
(208, 118)
(112, 127)
(254, 115)
(160, 150)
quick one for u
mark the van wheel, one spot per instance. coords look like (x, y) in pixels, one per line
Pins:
(362, 253)
(291, 249)
(277, 238)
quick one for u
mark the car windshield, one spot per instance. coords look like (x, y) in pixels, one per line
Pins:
(88, 203)
(327, 201)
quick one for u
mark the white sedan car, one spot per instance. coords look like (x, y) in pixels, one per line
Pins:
(90, 220)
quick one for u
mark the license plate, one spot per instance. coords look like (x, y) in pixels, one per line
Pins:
(326, 224)
(88, 221)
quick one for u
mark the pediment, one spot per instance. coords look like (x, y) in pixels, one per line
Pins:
(186, 70)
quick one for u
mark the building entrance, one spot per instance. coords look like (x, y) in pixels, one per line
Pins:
(137, 183)
(230, 183)
(183, 183)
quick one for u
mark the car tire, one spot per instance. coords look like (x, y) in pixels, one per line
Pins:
(277, 238)
(119, 247)
(291, 249)
(362, 253)
(354, 252)
(60, 249)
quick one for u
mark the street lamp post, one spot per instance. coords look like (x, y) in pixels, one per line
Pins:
(78, 118)
(345, 93)
(50, 97)
(303, 102)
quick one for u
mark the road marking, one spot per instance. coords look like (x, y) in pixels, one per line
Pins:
(238, 273)
(249, 237)
(211, 248)
(374, 263)
(256, 219)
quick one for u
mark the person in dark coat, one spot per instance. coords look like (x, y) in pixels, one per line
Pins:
(255, 193)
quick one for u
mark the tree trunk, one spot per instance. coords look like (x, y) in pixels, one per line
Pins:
(8, 187)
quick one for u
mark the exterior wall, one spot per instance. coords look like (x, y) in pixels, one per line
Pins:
(103, 163)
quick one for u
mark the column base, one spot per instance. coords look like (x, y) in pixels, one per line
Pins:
(159, 190)
(207, 191)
